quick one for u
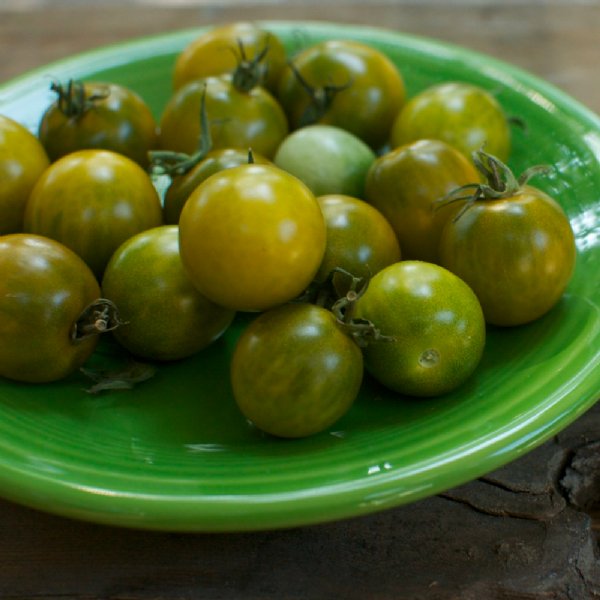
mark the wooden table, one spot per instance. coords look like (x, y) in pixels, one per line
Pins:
(526, 531)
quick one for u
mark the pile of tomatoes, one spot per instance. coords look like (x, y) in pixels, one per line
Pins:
(364, 230)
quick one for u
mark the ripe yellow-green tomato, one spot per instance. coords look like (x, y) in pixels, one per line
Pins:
(295, 371)
(165, 317)
(22, 160)
(464, 115)
(219, 51)
(436, 325)
(405, 185)
(92, 201)
(360, 240)
(44, 290)
(251, 237)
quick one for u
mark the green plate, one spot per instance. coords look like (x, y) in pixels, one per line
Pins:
(175, 454)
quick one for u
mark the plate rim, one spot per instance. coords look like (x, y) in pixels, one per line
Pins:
(70, 500)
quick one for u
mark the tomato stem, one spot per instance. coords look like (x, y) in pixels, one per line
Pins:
(98, 317)
(72, 100)
(320, 97)
(173, 164)
(500, 183)
(362, 331)
(249, 72)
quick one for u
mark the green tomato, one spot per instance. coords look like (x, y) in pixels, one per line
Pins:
(243, 119)
(22, 161)
(345, 83)
(464, 115)
(252, 237)
(514, 247)
(45, 289)
(294, 371)
(436, 327)
(165, 317)
(92, 201)
(360, 240)
(100, 115)
(405, 185)
(183, 185)
(329, 160)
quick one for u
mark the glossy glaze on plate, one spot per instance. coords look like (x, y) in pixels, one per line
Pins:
(175, 454)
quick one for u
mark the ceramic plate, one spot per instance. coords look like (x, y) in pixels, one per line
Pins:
(175, 454)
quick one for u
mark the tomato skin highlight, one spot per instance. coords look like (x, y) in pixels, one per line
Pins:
(120, 121)
(436, 325)
(92, 201)
(22, 161)
(44, 288)
(405, 184)
(294, 372)
(251, 237)
(166, 318)
(464, 115)
(517, 254)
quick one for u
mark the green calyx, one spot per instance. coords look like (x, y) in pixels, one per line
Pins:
(249, 72)
(499, 183)
(73, 100)
(320, 97)
(362, 331)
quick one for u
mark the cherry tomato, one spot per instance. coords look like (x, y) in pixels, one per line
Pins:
(329, 160)
(238, 119)
(214, 161)
(360, 239)
(436, 327)
(251, 237)
(98, 115)
(464, 115)
(165, 317)
(343, 83)
(517, 251)
(219, 51)
(92, 201)
(22, 161)
(294, 371)
(405, 183)
(45, 290)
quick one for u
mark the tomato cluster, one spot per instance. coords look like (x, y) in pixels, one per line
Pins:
(364, 231)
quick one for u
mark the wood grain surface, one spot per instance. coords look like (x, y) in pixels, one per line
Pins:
(526, 531)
